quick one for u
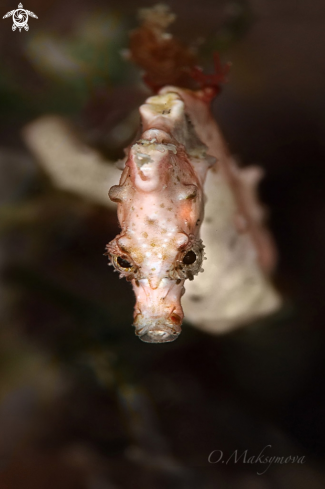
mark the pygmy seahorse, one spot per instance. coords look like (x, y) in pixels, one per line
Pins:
(160, 209)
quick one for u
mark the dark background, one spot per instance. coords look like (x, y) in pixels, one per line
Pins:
(83, 403)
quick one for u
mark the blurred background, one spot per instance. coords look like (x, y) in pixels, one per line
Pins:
(83, 403)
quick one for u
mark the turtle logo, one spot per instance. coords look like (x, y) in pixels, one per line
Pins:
(20, 18)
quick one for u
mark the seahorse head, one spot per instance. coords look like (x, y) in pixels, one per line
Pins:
(160, 209)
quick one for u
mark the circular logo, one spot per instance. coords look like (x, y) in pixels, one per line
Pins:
(20, 17)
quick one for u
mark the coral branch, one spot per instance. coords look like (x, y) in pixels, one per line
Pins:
(167, 61)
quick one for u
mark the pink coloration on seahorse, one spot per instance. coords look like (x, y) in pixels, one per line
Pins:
(160, 209)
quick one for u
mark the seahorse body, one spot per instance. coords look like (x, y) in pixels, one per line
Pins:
(160, 210)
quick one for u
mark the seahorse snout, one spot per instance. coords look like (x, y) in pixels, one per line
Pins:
(158, 330)
(158, 313)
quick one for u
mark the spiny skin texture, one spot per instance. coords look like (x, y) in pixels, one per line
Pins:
(160, 210)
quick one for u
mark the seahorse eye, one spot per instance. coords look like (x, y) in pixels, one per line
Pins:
(189, 258)
(123, 263)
